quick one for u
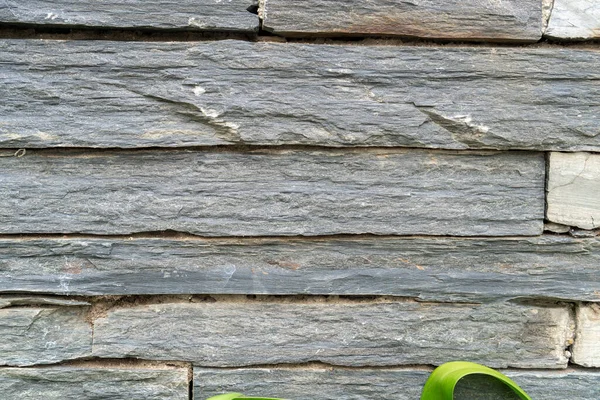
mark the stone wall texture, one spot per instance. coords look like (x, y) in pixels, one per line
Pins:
(299, 199)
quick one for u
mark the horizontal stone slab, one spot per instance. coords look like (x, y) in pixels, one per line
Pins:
(43, 335)
(436, 268)
(236, 333)
(283, 192)
(574, 189)
(402, 384)
(230, 15)
(77, 383)
(136, 94)
(586, 349)
(32, 300)
(574, 19)
(511, 20)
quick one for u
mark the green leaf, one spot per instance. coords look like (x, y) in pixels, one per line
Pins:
(441, 382)
(439, 386)
(236, 396)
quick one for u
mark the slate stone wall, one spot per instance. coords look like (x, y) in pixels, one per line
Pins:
(298, 198)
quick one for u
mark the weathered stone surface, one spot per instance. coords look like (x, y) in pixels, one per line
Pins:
(574, 189)
(455, 19)
(586, 349)
(85, 383)
(439, 269)
(401, 384)
(12, 301)
(584, 233)
(556, 228)
(43, 335)
(282, 192)
(156, 14)
(235, 333)
(574, 19)
(124, 94)
(310, 383)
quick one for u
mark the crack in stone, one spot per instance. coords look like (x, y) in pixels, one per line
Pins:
(577, 175)
(461, 129)
(34, 319)
(225, 130)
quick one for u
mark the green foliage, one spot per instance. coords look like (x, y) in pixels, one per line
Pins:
(439, 386)
(441, 382)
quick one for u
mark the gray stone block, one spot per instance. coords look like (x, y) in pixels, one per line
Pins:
(229, 15)
(32, 300)
(94, 383)
(43, 335)
(308, 383)
(436, 268)
(228, 334)
(135, 94)
(513, 20)
(586, 349)
(574, 19)
(282, 192)
(574, 189)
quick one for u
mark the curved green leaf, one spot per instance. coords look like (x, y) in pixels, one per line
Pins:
(441, 382)
(439, 386)
(236, 396)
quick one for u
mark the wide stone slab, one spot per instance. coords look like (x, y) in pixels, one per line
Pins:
(229, 15)
(307, 383)
(94, 383)
(586, 349)
(574, 189)
(437, 268)
(126, 94)
(43, 334)
(372, 333)
(513, 20)
(33, 300)
(574, 19)
(282, 192)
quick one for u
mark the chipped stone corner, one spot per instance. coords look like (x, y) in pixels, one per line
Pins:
(547, 7)
(573, 184)
(586, 346)
(556, 228)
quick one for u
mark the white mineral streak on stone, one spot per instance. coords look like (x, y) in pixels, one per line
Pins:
(574, 189)
(210, 113)
(214, 115)
(468, 121)
(198, 90)
(47, 136)
(192, 21)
